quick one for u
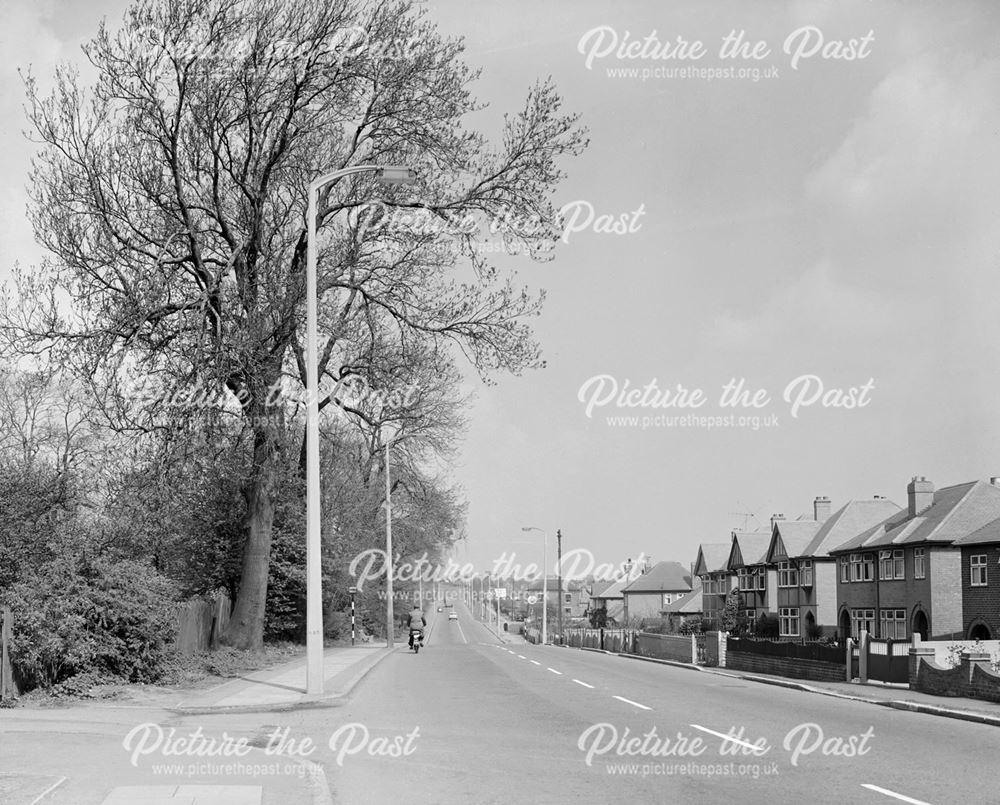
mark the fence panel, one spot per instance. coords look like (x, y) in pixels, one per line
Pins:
(200, 623)
(774, 648)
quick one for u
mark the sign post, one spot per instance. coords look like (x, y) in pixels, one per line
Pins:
(352, 591)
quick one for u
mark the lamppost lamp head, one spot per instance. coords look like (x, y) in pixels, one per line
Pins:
(396, 174)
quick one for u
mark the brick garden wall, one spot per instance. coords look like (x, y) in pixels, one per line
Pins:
(973, 678)
(663, 647)
(795, 668)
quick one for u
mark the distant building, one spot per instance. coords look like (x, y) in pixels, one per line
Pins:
(656, 589)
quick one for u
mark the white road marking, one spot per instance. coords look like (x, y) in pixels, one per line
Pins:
(48, 791)
(535, 662)
(634, 704)
(461, 632)
(729, 738)
(522, 657)
(888, 793)
(578, 682)
(553, 670)
(509, 651)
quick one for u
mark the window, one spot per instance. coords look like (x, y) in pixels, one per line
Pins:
(890, 564)
(788, 622)
(569, 598)
(568, 610)
(855, 567)
(708, 586)
(919, 570)
(892, 624)
(862, 619)
(788, 575)
(806, 568)
(977, 570)
(868, 567)
(761, 578)
(845, 570)
(667, 598)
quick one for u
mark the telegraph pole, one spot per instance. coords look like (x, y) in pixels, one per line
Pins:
(559, 565)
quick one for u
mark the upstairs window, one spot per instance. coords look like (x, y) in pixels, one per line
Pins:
(977, 570)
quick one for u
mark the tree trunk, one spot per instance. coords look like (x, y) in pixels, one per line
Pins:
(246, 625)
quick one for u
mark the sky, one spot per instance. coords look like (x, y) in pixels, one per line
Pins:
(835, 220)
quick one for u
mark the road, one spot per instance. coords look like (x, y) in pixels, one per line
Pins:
(506, 723)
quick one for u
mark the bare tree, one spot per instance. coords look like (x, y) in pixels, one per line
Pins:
(171, 196)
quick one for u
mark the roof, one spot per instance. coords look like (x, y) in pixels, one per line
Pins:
(537, 585)
(712, 557)
(687, 604)
(955, 514)
(748, 548)
(988, 533)
(790, 537)
(664, 577)
(610, 590)
(847, 522)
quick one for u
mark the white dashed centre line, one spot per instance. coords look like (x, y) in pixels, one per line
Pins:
(553, 670)
(729, 738)
(634, 704)
(522, 657)
(894, 795)
(578, 682)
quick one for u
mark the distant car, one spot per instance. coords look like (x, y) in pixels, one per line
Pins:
(453, 616)
(449, 604)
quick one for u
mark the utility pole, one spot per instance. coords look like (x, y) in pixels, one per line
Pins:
(559, 565)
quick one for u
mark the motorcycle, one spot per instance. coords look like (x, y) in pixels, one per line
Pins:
(416, 640)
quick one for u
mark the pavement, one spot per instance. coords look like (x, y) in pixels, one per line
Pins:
(80, 754)
(284, 687)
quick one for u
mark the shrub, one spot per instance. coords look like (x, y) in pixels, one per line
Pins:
(110, 619)
(767, 627)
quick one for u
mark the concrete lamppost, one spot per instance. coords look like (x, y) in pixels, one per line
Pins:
(545, 582)
(314, 574)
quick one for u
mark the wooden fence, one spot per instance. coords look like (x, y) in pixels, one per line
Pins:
(200, 622)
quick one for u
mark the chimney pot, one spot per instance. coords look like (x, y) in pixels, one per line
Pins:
(995, 480)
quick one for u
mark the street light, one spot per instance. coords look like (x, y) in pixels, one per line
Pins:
(389, 174)
(390, 432)
(545, 582)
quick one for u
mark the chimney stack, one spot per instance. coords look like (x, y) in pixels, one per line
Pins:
(995, 481)
(821, 509)
(776, 518)
(919, 494)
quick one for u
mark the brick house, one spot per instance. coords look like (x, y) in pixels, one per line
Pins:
(683, 608)
(981, 581)
(656, 588)
(754, 578)
(575, 595)
(905, 575)
(807, 573)
(607, 604)
(716, 580)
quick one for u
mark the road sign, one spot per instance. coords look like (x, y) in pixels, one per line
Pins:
(532, 599)
(501, 592)
(352, 590)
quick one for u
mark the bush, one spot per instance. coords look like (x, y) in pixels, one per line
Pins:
(109, 619)
(767, 627)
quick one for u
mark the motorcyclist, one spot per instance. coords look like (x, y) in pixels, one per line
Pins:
(416, 621)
